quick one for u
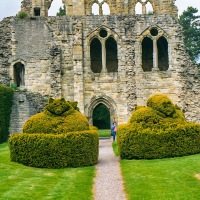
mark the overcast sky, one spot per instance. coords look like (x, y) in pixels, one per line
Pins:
(11, 7)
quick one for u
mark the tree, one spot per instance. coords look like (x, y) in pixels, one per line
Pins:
(62, 11)
(191, 31)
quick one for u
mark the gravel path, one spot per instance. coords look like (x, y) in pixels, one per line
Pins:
(108, 181)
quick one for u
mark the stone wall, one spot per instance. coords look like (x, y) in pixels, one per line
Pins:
(25, 105)
(116, 7)
(5, 50)
(55, 52)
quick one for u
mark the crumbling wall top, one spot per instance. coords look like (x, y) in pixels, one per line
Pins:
(85, 7)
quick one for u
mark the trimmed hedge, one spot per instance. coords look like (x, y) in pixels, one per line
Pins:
(74, 149)
(6, 96)
(56, 138)
(159, 130)
(138, 142)
(43, 123)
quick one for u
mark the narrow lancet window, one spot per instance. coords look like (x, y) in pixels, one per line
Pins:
(96, 55)
(163, 59)
(111, 55)
(95, 9)
(147, 54)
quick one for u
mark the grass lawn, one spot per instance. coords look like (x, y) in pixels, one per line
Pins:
(165, 179)
(22, 182)
(104, 132)
(115, 148)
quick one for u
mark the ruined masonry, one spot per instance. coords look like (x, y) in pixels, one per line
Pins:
(118, 60)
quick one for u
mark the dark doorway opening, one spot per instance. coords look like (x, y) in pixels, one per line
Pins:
(19, 72)
(96, 55)
(37, 11)
(111, 55)
(163, 59)
(147, 54)
(101, 117)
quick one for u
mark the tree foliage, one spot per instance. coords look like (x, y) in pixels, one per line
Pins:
(62, 11)
(191, 31)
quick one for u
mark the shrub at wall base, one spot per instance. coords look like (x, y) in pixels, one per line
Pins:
(56, 138)
(159, 130)
(6, 95)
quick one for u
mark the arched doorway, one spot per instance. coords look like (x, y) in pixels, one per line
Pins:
(108, 104)
(101, 117)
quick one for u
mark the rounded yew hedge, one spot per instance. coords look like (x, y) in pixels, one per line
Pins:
(56, 138)
(159, 130)
(74, 149)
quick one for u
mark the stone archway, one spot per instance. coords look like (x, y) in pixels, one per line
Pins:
(106, 101)
(101, 117)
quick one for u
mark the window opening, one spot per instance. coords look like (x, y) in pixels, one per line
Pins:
(101, 117)
(96, 55)
(154, 32)
(111, 55)
(138, 8)
(149, 8)
(56, 7)
(105, 9)
(19, 72)
(103, 33)
(95, 9)
(163, 58)
(147, 54)
(37, 11)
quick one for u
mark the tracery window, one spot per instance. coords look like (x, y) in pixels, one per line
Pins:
(100, 7)
(143, 7)
(155, 51)
(103, 52)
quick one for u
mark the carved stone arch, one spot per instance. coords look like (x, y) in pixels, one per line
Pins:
(160, 54)
(152, 2)
(102, 99)
(102, 33)
(89, 3)
(147, 33)
(95, 33)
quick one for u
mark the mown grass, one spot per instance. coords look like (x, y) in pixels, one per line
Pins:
(166, 179)
(22, 182)
(115, 148)
(104, 132)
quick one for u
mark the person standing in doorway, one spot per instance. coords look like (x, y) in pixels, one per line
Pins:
(114, 130)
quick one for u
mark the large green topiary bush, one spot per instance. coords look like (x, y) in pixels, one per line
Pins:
(159, 130)
(6, 96)
(56, 138)
(58, 117)
(74, 149)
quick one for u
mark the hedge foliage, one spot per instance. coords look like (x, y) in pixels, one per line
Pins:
(74, 149)
(56, 138)
(159, 130)
(6, 95)
(59, 116)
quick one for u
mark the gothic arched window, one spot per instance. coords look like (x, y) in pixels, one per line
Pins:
(111, 55)
(163, 59)
(147, 54)
(96, 55)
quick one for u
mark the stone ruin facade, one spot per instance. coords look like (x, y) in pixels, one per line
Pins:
(118, 60)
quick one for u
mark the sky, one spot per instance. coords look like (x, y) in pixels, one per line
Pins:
(12, 7)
